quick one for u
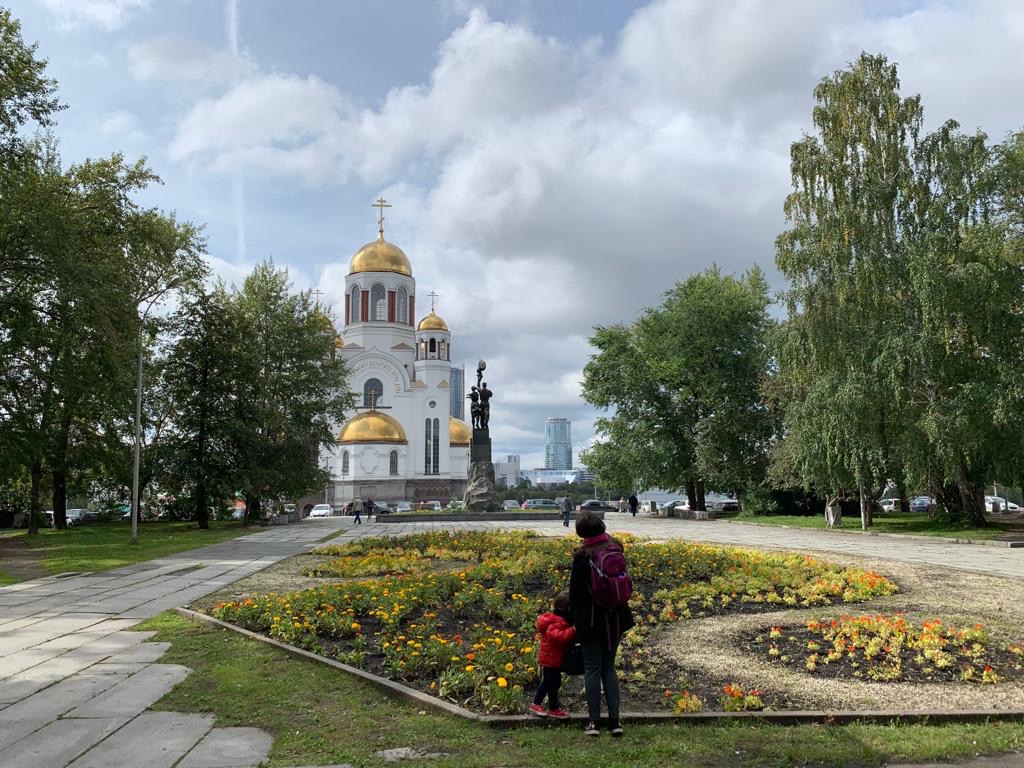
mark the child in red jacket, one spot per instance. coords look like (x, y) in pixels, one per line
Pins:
(556, 634)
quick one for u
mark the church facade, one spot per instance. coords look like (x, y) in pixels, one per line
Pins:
(402, 442)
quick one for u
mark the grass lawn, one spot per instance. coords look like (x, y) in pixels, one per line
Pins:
(910, 523)
(99, 546)
(319, 715)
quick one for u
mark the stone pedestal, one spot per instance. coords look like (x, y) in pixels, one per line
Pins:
(480, 488)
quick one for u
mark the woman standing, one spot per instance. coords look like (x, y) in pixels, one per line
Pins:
(598, 628)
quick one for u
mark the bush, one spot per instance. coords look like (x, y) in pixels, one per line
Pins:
(759, 501)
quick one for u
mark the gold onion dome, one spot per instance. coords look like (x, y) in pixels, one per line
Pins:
(372, 427)
(458, 431)
(380, 256)
(432, 322)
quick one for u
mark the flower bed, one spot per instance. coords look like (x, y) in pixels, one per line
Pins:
(891, 648)
(453, 613)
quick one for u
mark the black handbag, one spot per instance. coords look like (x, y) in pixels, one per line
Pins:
(573, 662)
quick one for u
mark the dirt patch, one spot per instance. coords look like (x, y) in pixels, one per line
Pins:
(19, 561)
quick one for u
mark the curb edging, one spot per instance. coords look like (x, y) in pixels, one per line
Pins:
(906, 536)
(780, 717)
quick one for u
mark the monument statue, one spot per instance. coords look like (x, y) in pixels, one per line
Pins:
(480, 488)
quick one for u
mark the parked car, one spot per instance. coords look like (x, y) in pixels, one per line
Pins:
(47, 521)
(79, 517)
(381, 507)
(889, 505)
(321, 510)
(434, 506)
(403, 506)
(596, 505)
(724, 505)
(921, 504)
(665, 506)
(540, 504)
(1004, 505)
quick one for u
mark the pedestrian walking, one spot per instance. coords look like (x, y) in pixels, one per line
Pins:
(633, 504)
(599, 591)
(622, 504)
(566, 510)
(357, 510)
(370, 509)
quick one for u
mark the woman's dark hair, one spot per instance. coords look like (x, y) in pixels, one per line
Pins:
(589, 524)
(562, 602)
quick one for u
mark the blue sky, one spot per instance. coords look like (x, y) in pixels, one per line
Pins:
(552, 165)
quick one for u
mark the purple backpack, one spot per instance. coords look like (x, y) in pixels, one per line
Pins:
(610, 585)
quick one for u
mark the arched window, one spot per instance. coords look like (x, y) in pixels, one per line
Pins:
(433, 349)
(344, 462)
(378, 303)
(436, 446)
(394, 462)
(372, 388)
(403, 305)
(442, 351)
(427, 467)
(354, 305)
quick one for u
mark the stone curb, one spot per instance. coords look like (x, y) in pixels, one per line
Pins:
(905, 536)
(471, 517)
(781, 717)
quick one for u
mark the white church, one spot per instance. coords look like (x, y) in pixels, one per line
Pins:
(402, 442)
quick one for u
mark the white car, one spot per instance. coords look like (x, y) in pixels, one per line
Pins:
(1004, 505)
(890, 505)
(321, 510)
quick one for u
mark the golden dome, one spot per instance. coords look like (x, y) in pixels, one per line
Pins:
(380, 256)
(372, 427)
(458, 432)
(432, 322)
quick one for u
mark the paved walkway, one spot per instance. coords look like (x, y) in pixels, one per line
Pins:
(75, 685)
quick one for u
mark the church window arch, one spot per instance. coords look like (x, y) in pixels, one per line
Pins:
(378, 303)
(436, 446)
(403, 305)
(427, 468)
(432, 348)
(354, 305)
(394, 463)
(344, 462)
(373, 393)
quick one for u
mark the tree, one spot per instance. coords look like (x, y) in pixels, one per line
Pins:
(684, 381)
(26, 94)
(290, 387)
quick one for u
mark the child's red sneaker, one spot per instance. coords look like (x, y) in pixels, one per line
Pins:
(559, 714)
(538, 711)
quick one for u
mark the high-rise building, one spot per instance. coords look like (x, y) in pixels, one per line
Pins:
(507, 472)
(557, 443)
(458, 391)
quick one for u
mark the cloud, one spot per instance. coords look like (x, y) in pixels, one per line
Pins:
(560, 185)
(187, 63)
(123, 126)
(109, 14)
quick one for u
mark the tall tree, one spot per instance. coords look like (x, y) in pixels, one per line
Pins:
(26, 94)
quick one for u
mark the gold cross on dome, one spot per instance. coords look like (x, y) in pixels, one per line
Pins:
(433, 299)
(381, 204)
(373, 401)
(317, 293)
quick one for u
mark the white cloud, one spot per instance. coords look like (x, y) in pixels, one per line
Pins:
(123, 126)
(187, 63)
(109, 14)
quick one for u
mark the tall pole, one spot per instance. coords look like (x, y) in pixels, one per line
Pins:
(138, 447)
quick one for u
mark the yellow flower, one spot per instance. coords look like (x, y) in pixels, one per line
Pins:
(509, 667)
(502, 682)
(356, 626)
(470, 667)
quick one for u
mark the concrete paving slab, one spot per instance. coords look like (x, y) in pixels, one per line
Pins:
(109, 667)
(230, 748)
(134, 694)
(31, 714)
(145, 652)
(57, 744)
(22, 660)
(152, 740)
(25, 683)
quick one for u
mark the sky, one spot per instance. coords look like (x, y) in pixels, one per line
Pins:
(552, 166)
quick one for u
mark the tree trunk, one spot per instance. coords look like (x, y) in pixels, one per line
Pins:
(202, 513)
(701, 500)
(34, 508)
(691, 494)
(60, 495)
(972, 497)
(901, 489)
(252, 507)
(865, 508)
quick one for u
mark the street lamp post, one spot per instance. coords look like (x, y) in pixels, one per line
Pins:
(136, 511)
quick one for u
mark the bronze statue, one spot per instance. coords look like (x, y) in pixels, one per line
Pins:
(485, 405)
(475, 408)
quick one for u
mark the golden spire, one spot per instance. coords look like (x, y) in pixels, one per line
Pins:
(381, 204)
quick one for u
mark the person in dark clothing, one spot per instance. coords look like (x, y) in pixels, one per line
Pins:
(566, 510)
(633, 504)
(370, 507)
(598, 629)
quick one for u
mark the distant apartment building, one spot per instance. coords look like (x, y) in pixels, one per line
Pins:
(457, 382)
(507, 472)
(558, 443)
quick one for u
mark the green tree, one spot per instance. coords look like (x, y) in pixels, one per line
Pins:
(26, 94)
(684, 381)
(290, 387)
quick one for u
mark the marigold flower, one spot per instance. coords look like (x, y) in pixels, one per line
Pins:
(502, 682)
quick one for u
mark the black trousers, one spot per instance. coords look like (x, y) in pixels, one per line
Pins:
(550, 682)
